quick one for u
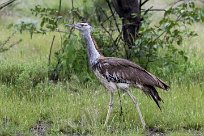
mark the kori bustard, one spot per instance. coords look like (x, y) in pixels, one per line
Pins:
(116, 73)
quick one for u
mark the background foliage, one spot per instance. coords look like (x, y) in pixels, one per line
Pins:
(158, 47)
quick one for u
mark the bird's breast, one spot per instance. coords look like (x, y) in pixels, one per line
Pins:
(111, 83)
(111, 86)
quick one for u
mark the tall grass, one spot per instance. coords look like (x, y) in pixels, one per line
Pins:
(67, 108)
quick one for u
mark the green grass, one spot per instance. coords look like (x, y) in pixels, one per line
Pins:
(69, 108)
(27, 99)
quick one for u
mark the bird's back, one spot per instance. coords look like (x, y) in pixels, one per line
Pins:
(124, 71)
(117, 71)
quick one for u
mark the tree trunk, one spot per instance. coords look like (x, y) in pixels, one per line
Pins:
(129, 11)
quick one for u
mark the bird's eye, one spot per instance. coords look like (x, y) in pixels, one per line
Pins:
(83, 25)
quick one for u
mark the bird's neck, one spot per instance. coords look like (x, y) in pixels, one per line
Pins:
(93, 54)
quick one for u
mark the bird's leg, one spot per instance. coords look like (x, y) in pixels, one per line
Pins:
(137, 108)
(121, 108)
(110, 107)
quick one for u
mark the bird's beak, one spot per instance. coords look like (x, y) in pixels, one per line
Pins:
(76, 26)
(68, 25)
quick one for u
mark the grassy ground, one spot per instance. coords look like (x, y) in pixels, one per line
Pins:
(68, 108)
(72, 108)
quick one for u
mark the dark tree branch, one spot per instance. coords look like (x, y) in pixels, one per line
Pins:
(107, 31)
(6, 3)
(4, 45)
(175, 2)
(49, 58)
(143, 10)
(144, 3)
(60, 6)
(146, 11)
(178, 1)
(140, 3)
(10, 46)
(114, 18)
(107, 19)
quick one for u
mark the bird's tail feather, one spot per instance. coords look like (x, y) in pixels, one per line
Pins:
(162, 84)
(152, 92)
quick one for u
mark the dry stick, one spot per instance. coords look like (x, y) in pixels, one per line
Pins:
(70, 32)
(8, 39)
(49, 58)
(60, 5)
(10, 46)
(153, 10)
(107, 18)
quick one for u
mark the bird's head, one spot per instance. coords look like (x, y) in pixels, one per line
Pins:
(82, 27)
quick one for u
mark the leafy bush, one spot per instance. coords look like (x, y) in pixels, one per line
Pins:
(72, 61)
(161, 47)
(158, 48)
(22, 75)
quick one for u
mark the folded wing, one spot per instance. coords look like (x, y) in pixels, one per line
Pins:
(123, 71)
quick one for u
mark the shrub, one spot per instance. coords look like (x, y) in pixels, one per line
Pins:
(158, 47)
(25, 75)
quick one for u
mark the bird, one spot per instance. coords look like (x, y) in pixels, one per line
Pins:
(119, 74)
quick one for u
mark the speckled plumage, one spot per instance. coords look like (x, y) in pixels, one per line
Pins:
(121, 71)
(116, 73)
